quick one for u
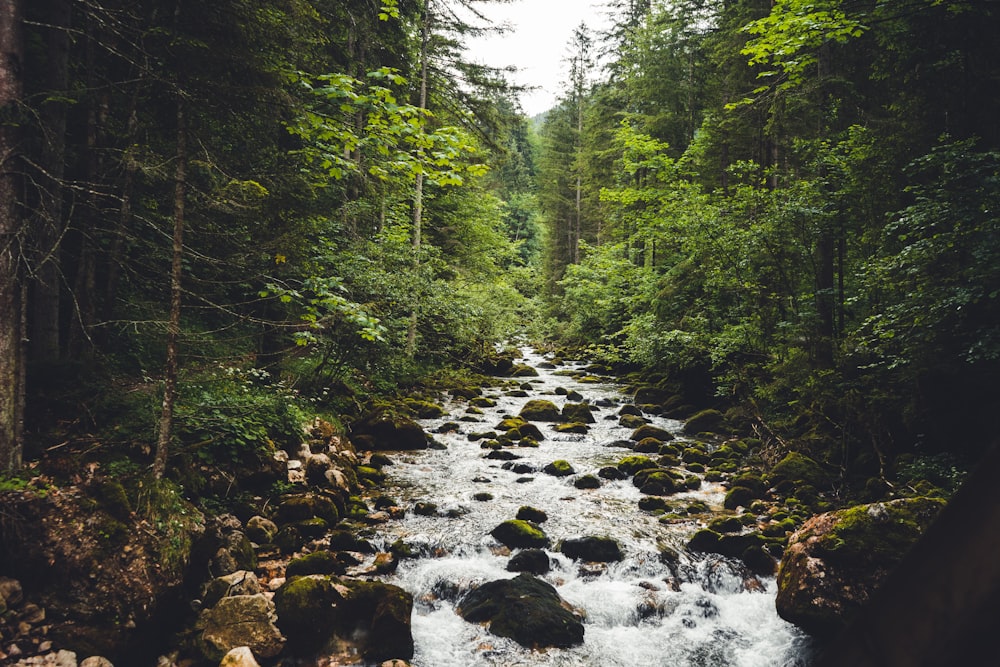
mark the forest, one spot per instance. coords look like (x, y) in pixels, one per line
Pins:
(222, 221)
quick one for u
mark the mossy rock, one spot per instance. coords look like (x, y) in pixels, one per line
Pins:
(632, 421)
(384, 430)
(482, 402)
(511, 424)
(482, 496)
(422, 508)
(647, 446)
(559, 468)
(532, 514)
(574, 427)
(370, 476)
(424, 409)
(380, 615)
(750, 481)
(317, 562)
(611, 473)
(650, 431)
(692, 482)
(738, 496)
(797, 467)
(307, 506)
(523, 370)
(534, 561)
(726, 524)
(592, 549)
(630, 465)
(587, 482)
(656, 482)
(694, 455)
(653, 504)
(345, 540)
(309, 612)
(706, 421)
(520, 534)
(525, 609)
(540, 410)
(631, 411)
(578, 412)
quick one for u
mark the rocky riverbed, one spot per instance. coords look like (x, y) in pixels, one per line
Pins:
(551, 516)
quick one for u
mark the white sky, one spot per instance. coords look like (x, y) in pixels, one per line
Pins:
(538, 43)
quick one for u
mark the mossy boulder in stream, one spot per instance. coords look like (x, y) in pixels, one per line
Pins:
(592, 549)
(525, 609)
(578, 412)
(559, 468)
(630, 465)
(650, 431)
(836, 561)
(540, 410)
(519, 534)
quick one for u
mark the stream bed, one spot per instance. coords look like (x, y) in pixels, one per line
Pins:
(685, 610)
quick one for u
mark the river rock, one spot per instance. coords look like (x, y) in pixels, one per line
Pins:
(797, 469)
(592, 549)
(240, 582)
(650, 431)
(706, 421)
(835, 561)
(532, 514)
(261, 530)
(525, 609)
(534, 561)
(381, 430)
(520, 534)
(540, 410)
(578, 412)
(239, 620)
(632, 421)
(241, 656)
(559, 468)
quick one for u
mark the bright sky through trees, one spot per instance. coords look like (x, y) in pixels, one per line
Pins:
(537, 44)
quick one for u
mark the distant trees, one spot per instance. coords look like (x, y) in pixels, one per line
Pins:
(785, 173)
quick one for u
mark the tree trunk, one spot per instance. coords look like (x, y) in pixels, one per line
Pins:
(418, 189)
(11, 292)
(174, 324)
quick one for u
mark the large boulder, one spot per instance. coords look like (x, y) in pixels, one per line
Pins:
(797, 469)
(578, 412)
(540, 410)
(239, 620)
(650, 431)
(706, 421)
(525, 609)
(315, 611)
(835, 561)
(383, 430)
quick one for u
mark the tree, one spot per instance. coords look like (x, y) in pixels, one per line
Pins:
(11, 280)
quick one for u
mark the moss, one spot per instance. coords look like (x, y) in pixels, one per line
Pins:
(308, 610)
(540, 410)
(650, 431)
(578, 412)
(520, 534)
(424, 409)
(797, 467)
(878, 533)
(587, 482)
(728, 524)
(706, 421)
(111, 496)
(559, 468)
(318, 562)
(630, 465)
(575, 427)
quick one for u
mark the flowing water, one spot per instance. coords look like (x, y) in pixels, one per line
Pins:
(703, 610)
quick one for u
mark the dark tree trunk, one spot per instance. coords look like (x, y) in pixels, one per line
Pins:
(174, 324)
(11, 286)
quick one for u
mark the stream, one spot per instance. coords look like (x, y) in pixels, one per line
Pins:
(701, 610)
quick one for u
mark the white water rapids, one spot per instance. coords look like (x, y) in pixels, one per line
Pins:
(706, 611)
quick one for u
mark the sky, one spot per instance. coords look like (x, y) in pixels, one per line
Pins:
(537, 44)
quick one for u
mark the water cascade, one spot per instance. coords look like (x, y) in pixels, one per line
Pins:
(660, 605)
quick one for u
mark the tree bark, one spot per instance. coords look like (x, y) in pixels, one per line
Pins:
(418, 189)
(11, 285)
(174, 324)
